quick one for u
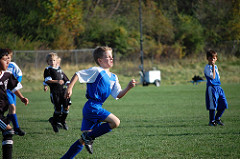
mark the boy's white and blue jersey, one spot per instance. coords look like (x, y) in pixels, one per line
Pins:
(215, 96)
(209, 76)
(99, 87)
(17, 73)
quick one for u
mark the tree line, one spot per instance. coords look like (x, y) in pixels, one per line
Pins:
(172, 29)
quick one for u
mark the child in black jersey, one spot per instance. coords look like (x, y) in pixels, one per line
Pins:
(55, 78)
(45, 86)
(7, 81)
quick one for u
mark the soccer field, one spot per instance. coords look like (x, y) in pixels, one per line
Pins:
(156, 122)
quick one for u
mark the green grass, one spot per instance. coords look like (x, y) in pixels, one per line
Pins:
(156, 122)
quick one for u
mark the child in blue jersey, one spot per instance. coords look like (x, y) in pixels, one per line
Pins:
(17, 73)
(215, 97)
(100, 84)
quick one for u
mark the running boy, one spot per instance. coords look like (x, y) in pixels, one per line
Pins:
(45, 86)
(215, 97)
(100, 84)
(17, 73)
(56, 79)
(7, 81)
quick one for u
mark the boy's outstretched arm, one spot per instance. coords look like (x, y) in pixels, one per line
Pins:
(61, 82)
(68, 92)
(21, 97)
(130, 85)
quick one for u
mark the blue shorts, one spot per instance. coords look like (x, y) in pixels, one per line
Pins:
(93, 114)
(11, 97)
(215, 98)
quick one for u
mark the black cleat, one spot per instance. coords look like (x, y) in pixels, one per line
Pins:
(19, 132)
(59, 125)
(65, 126)
(212, 123)
(88, 142)
(219, 122)
(54, 125)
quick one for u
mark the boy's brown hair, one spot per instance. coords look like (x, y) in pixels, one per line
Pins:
(3, 52)
(98, 52)
(51, 55)
(10, 52)
(211, 53)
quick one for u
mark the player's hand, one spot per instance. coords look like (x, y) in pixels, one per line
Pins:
(61, 82)
(45, 88)
(25, 101)
(68, 93)
(132, 83)
(212, 63)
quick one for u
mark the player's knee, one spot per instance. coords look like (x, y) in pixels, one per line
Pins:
(12, 109)
(116, 123)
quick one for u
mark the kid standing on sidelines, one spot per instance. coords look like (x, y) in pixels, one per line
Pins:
(7, 81)
(100, 84)
(56, 79)
(215, 97)
(17, 73)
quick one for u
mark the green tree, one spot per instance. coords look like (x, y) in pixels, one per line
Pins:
(156, 25)
(233, 32)
(107, 23)
(213, 16)
(67, 17)
(173, 27)
(190, 34)
(22, 20)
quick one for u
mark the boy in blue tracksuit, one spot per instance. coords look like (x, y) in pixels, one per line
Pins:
(215, 97)
(100, 84)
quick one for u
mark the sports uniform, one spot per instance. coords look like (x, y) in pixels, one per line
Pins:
(99, 86)
(215, 97)
(7, 81)
(17, 73)
(101, 83)
(57, 94)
